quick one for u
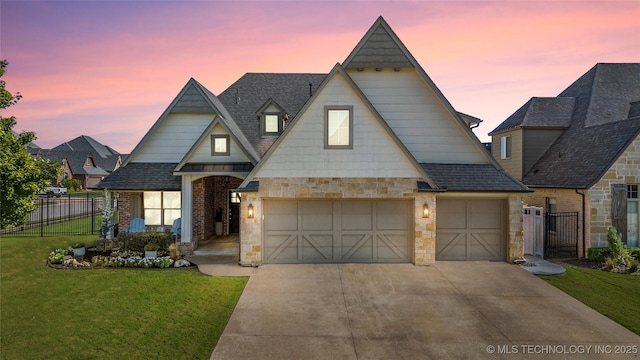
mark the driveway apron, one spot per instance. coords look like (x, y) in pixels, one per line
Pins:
(475, 310)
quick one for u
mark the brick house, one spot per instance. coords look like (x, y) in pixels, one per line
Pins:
(83, 159)
(368, 163)
(580, 152)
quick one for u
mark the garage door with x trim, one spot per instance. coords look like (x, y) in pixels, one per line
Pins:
(471, 229)
(322, 231)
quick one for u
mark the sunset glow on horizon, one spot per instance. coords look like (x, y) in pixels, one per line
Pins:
(109, 69)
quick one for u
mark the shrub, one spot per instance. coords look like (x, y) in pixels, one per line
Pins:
(635, 253)
(633, 266)
(72, 185)
(137, 241)
(619, 254)
(151, 247)
(598, 254)
(56, 256)
(609, 263)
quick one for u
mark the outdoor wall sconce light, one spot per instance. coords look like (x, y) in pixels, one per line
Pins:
(250, 211)
(425, 210)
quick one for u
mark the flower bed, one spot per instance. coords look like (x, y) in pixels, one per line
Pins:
(63, 258)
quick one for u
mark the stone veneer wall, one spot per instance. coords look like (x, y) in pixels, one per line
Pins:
(361, 188)
(515, 242)
(567, 200)
(626, 170)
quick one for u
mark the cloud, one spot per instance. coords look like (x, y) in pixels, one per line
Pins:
(111, 68)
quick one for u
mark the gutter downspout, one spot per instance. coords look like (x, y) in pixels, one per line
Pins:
(584, 227)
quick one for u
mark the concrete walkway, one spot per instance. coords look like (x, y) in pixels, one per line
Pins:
(539, 266)
(472, 310)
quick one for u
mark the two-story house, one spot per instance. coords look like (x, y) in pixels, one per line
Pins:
(368, 163)
(580, 152)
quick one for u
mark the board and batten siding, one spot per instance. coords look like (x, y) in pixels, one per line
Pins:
(301, 152)
(512, 165)
(535, 143)
(173, 138)
(417, 116)
(202, 154)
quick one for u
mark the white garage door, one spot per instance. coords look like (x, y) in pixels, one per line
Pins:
(321, 231)
(471, 229)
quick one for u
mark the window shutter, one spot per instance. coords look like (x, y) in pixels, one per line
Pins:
(619, 209)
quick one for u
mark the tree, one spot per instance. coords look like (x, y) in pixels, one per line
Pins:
(21, 175)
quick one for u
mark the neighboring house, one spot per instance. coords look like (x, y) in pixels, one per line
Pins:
(580, 152)
(83, 159)
(103, 156)
(368, 163)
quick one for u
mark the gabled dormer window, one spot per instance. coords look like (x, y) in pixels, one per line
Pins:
(271, 116)
(271, 125)
(220, 145)
(88, 162)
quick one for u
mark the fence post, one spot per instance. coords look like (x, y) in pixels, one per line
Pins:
(41, 219)
(93, 215)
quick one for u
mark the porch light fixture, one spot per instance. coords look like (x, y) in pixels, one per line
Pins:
(425, 210)
(250, 211)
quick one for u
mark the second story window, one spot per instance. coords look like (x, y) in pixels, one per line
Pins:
(505, 147)
(220, 145)
(338, 127)
(271, 125)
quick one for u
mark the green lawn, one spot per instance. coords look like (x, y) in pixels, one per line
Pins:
(106, 313)
(616, 296)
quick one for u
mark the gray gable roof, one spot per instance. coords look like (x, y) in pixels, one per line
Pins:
(247, 95)
(603, 123)
(76, 160)
(472, 178)
(379, 48)
(104, 156)
(143, 176)
(581, 156)
(540, 112)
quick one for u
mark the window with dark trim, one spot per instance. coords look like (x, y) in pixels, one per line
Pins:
(338, 127)
(271, 125)
(219, 145)
(505, 147)
(161, 207)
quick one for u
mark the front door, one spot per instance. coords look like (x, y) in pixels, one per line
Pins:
(234, 212)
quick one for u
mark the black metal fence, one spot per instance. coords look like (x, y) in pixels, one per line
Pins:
(561, 235)
(60, 216)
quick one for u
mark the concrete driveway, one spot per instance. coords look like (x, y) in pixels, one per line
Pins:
(455, 310)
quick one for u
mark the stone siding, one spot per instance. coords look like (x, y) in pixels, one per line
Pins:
(515, 242)
(626, 170)
(424, 248)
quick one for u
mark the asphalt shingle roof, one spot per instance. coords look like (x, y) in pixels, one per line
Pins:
(104, 156)
(540, 112)
(582, 155)
(247, 95)
(472, 177)
(143, 176)
(603, 124)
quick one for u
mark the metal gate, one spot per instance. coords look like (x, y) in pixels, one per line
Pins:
(561, 235)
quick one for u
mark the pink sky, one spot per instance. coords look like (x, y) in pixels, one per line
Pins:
(109, 69)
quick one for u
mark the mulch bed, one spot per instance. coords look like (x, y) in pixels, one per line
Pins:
(583, 263)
